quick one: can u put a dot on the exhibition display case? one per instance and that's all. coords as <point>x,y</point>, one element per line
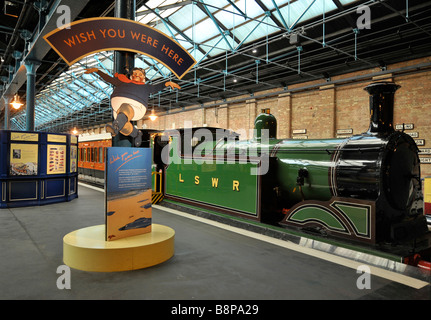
<point>37,168</point>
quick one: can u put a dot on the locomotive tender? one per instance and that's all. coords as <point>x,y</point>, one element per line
<point>365,188</point>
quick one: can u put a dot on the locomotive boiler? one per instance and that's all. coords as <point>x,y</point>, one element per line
<point>364,188</point>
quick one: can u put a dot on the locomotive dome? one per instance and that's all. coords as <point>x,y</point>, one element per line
<point>265,121</point>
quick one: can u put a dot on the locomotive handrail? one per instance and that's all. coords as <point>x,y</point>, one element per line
<point>327,150</point>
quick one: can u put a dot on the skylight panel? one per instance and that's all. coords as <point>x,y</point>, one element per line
<point>197,54</point>
<point>231,17</point>
<point>317,9</point>
<point>146,19</point>
<point>158,3</point>
<point>300,9</point>
<point>218,45</point>
<point>252,30</point>
<point>227,19</point>
<point>344,2</point>
<point>196,33</point>
<point>168,12</point>
<point>185,43</point>
<point>187,16</point>
<point>214,5</point>
<point>269,4</point>
<point>250,8</point>
<point>139,63</point>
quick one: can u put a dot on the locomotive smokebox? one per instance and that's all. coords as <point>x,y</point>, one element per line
<point>381,107</point>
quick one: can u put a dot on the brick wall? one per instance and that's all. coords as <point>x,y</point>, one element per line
<point>321,111</point>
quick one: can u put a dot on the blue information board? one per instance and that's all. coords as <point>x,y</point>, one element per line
<point>127,192</point>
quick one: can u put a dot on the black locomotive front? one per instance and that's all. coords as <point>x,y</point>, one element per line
<point>383,165</point>
<point>380,166</point>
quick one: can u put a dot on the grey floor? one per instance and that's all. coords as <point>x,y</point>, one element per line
<point>209,263</point>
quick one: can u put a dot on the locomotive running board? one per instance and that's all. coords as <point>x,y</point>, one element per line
<point>341,217</point>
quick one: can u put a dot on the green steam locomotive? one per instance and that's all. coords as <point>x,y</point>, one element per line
<point>365,188</point>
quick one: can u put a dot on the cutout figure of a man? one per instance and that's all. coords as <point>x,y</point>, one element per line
<point>129,100</point>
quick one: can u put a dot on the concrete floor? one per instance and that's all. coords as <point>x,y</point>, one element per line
<point>210,263</point>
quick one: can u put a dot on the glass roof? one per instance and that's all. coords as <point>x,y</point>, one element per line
<point>228,24</point>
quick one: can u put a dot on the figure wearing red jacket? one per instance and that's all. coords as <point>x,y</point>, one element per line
<point>129,100</point>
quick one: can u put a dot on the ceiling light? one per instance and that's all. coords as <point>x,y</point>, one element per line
<point>16,104</point>
<point>153,115</point>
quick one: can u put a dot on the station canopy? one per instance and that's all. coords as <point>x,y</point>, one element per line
<point>241,47</point>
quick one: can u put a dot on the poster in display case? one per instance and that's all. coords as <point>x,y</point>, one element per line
<point>73,158</point>
<point>23,159</point>
<point>56,159</point>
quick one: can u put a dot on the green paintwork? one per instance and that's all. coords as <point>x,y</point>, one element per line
<point>317,214</point>
<point>292,155</point>
<point>313,155</point>
<point>265,121</point>
<point>225,184</point>
<point>358,216</point>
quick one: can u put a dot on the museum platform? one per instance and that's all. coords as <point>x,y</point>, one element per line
<point>212,261</point>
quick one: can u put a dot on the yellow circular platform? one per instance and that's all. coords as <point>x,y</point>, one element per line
<point>86,249</point>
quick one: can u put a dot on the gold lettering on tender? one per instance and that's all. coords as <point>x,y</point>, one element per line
<point>180,178</point>
<point>196,179</point>
<point>214,182</point>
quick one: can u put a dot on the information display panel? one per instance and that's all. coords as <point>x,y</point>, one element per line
<point>127,192</point>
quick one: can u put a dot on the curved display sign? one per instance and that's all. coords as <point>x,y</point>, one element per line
<point>104,34</point>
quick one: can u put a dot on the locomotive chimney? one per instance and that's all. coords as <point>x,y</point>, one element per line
<point>381,106</point>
